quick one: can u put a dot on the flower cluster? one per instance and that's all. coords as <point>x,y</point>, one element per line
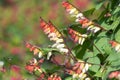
<point>114,74</point>
<point>35,49</point>
<point>76,36</point>
<point>115,45</point>
<point>80,18</point>
<point>79,70</point>
<point>54,35</point>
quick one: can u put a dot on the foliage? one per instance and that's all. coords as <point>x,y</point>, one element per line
<point>95,54</point>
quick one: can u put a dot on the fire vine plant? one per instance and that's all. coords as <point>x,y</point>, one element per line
<point>95,57</point>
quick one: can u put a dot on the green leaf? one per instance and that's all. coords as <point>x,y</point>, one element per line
<point>89,12</point>
<point>95,61</point>
<point>115,63</point>
<point>117,36</point>
<point>114,4</point>
<point>115,23</point>
<point>107,49</point>
<point>94,68</point>
<point>80,52</point>
<point>51,68</point>
<point>100,73</point>
<point>88,55</point>
<point>113,57</point>
<point>114,60</point>
<point>117,10</point>
<point>101,41</point>
<point>105,25</point>
<point>99,5</point>
<point>105,75</point>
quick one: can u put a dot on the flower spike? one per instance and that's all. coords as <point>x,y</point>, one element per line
<point>76,36</point>
<point>80,18</point>
<point>78,70</point>
<point>54,35</point>
<point>35,49</point>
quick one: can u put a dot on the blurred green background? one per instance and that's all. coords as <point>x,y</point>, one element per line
<point>19,22</point>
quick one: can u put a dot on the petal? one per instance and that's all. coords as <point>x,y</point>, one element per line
<point>77,20</point>
<point>90,27</point>
<point>96,29</point>
<point>117,48</point>
<point>54,39</point>
<point>59,40</point>
<point>79,15</point>
<point>84,35</point>
<point>87,79</point>
<point>72,11</point>
<point>35,61</point>
<point>49,55</point>
<point>52,35</point>
<point>40,54</point>
<point>81,65</point>
<point>60,46</point>
<point>47,30</point>
<point>85,68</point>
<point>80,76</point>
<point>64,50</point>
<point>83,76</point>
<point>36,51</point>
<point>82,40</point>
<point>1,63</point>
<point>75,76</point>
